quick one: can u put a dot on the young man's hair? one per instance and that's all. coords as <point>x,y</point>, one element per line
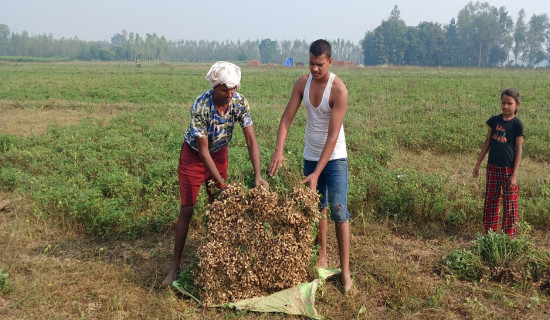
<point>319,47</point>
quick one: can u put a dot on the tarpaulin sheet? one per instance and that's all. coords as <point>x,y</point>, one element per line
<point>298,300</point>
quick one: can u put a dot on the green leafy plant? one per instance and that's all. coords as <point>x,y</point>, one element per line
<point>186,280</point>
<point>4,285</point>
<point>501,258</point>
<point>464,264</point>
<point>500,250</point>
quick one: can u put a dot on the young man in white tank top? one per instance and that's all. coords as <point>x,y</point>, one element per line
<point>325,157</point>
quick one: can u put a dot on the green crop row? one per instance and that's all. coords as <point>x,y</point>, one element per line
<point>120,178</point>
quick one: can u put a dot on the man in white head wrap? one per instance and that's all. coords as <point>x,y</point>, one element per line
<point>204,154</point>
<point>223,72</point>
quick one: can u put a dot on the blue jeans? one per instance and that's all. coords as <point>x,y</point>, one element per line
<point>333,182</point>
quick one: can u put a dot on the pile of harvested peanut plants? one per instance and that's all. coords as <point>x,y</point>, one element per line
<point>257,243</point>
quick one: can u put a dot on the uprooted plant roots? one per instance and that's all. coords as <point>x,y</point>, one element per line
<point>257,243</point>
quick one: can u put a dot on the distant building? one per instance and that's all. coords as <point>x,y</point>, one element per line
<point>289,62</point>
<point>341,63</point>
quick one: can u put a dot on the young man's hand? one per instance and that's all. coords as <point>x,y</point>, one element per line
<point>312,181</point>
<point>277,160</point>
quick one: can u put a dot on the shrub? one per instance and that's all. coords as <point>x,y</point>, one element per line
<point>499,257</point>
<point>9,178</point>
<point>464,264</point>
<point>6,142</point>
<point>499,250</point>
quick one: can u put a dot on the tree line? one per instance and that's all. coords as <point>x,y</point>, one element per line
<point>481,36</point>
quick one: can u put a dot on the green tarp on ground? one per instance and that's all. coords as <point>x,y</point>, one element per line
<point>298,300</point>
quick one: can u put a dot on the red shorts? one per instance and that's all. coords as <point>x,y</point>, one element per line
<point>192,172</point>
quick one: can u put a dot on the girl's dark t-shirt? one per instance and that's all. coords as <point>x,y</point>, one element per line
<point>502,148</point>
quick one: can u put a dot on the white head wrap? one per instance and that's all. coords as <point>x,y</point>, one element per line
<point>223,72</point>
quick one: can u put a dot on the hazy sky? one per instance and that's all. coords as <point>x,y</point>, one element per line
<point>231,20</point>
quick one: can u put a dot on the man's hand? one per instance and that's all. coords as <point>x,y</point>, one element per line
<point>277,160</point>
<point>312,180</point>
<point>260,181</point>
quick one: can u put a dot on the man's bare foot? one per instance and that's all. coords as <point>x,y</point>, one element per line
<point>171,276</point>
<point>347,284</point>
<point>322,263</point>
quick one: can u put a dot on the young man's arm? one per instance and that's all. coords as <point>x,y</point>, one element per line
<point>254,154</point>
<point>339,95</point>
<point>292,107</point>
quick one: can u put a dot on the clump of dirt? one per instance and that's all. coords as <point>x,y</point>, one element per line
<point>257,243</point>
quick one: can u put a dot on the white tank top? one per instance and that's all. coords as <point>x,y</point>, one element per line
<point>317,126</point>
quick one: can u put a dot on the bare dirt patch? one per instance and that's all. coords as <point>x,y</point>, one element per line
<point>34,118</point>
<point>28,122</point>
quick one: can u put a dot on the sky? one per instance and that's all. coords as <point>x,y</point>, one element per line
<point>98,20</point>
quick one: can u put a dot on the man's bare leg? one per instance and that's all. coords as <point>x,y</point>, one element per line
<point>322,260</point>
<point>182,228</point>
<point>343,237</point>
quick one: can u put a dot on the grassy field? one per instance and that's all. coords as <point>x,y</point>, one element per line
<point>89,196</point>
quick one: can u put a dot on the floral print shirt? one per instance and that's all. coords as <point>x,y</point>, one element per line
<point>207,122</point>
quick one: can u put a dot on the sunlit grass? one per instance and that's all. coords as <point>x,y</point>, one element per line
<point>104,170</point>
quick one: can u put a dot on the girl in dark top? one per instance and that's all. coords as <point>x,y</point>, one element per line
<point>504,142</point>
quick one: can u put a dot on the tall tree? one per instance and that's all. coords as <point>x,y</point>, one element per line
<point>480,33</point>
<point>4,39</point>
<point>269,51</point>
<point>452,56</point>
<point>504,41</point>
<point>388,42</point>
<point>150,46</point>
<point>300,51</point>
<point>537,35</point>
<point>374,50</point>
<point>416,50</point>
<point>432,36</point>
<point>395,31</point>
<point>520,37</point>
<point>138,47</point>
<point>162,48</point>
<point>286,49</point>
<point>119,44</point>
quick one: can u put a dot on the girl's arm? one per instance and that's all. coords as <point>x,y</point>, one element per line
<point>483,152</point>
<point>513,182</point>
